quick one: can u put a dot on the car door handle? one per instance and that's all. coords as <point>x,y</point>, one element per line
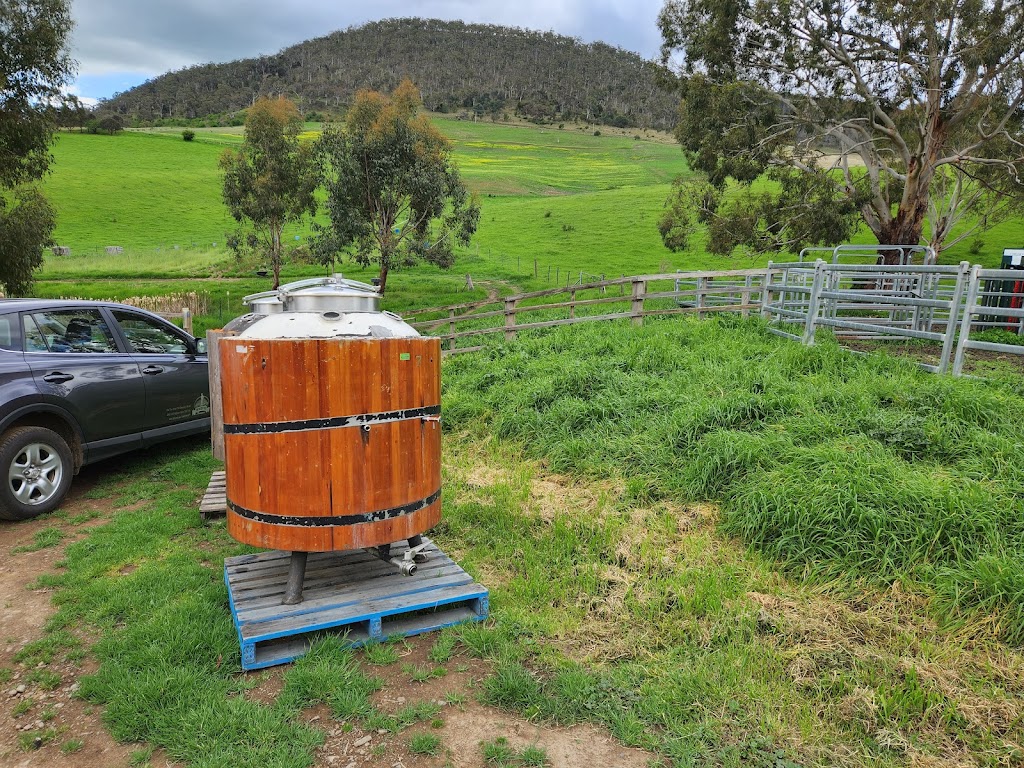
<point>152,370</point>
<point>57,377</point>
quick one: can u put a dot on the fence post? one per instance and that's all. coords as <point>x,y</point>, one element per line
<point>186,320</point>
<point>766,292</point>
<point>451,329</point>
<point>702,285</point>
<point>216,401</point>
<point>954,317</point>
<point>815,300</point>
<point>748,281</point>
<point>572,304</point>
<point>510,319</point>
<point>637,306</point>
<point>965,325</point>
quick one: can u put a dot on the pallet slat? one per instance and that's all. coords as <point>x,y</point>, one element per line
<point>353,594</point>
<point>214,502</point>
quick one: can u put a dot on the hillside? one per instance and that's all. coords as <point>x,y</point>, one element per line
<point>482,69</point>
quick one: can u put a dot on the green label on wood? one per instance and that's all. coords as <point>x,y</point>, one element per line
<point>404,356</point>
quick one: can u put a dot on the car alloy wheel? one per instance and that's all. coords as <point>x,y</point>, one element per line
<point>36,465</point>
<point>35,474</point>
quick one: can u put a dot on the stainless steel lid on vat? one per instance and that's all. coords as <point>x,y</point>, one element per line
<point>318,294</point>
<point>319,308</point>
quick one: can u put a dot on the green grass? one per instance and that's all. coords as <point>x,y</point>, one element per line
<point>425,744</point>
<point>380,654</point>
<point>832,464</point>
<point>501,754</point>
<point>42,539</point>
<point>571,201</point>
<point>71,746</point>
<point>505,160</point>
<point>136,191</point>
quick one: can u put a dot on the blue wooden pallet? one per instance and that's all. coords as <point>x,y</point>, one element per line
<point>353,594</point>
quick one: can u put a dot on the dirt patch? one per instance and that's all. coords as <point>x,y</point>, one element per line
<point>461,725</point>
<point>976,361</point>
<point>39,712</point>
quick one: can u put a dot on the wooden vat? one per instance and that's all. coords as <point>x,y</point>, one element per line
<point>331,444</point>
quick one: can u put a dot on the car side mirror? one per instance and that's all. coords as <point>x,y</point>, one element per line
<point>200,346</point>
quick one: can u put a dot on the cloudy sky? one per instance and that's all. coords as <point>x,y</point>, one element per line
<point>121,43</point>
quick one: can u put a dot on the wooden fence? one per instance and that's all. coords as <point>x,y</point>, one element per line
<point>632,298</point>
<point>185,316</point>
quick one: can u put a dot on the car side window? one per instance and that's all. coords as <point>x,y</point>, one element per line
<point>32,337</point>
<point>149,337</point>
<point>68,330</point>
<point>9,333</point>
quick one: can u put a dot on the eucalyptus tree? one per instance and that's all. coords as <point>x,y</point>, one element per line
<point>270,181</point>
<point>893,114</point>
<point>394,193</point>
<point>35,67</point>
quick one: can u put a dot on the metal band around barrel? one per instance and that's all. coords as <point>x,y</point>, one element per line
<point>335,422</point>
<point>320,522</point>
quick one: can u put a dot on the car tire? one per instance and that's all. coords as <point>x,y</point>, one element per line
<point>35,472</point>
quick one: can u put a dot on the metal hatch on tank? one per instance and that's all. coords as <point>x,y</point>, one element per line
<point>331,425</point>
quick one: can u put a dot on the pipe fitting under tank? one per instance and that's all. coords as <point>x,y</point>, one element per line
<point>406,564</point>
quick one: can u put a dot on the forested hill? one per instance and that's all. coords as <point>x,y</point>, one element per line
<point>484,69</point>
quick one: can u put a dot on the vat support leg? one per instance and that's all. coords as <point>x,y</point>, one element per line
<point>296,575</point>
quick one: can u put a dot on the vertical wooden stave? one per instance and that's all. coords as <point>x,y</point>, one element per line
<point>396,473</point>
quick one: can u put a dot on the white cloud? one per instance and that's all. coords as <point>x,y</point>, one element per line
<point>151,37</point>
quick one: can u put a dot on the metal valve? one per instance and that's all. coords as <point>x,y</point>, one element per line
<point>406,564</point>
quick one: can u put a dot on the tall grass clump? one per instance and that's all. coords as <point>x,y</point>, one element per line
<point>834,465</point>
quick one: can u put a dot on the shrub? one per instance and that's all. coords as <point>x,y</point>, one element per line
<point>188,134</point>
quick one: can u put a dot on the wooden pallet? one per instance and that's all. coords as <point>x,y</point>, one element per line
<point>215,500</point>
<point>353,594</point>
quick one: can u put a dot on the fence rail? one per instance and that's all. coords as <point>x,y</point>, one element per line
<point>185,316</point>
<point>934,303</point>
<point>869,301</point>
<point>995,301</point>
<point>624,298</point>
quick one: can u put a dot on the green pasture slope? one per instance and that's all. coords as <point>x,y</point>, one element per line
<point>565,198</point>
<point>138,191</point>
<point>558,201</point>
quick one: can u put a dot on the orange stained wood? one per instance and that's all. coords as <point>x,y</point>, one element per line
<point>321,472</point>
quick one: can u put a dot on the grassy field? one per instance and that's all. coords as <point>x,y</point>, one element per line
<point>719,546</point>
<point>137,191</point>
<point>561,201</point>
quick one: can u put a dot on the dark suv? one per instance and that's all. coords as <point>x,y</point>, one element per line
<point>83,380</point>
